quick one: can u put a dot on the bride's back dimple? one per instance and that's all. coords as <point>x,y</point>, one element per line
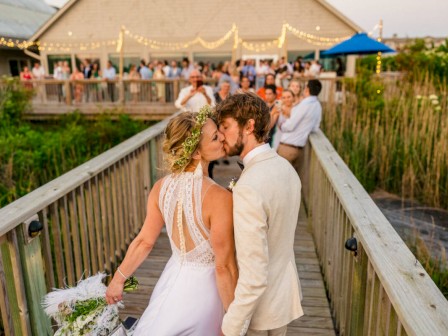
<point>190,189</point>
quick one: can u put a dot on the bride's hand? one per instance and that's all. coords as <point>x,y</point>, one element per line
<point>114,292</point>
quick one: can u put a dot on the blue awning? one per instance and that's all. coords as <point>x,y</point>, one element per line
<point>358,44</point>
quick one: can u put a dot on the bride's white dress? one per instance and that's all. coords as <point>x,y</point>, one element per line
<point>185,300</point>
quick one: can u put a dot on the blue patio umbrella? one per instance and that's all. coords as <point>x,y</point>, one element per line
<point>358,44</point>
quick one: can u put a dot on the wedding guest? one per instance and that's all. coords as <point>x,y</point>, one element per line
<point>305,118</point>
<point>175,71</point>
<point>26,76</point>
<point>196,95</point>
<point>269,80</point>
<point>110,74</point>
<point>134,87</point>
<point>160,86</point>
<point>281,114</point>
<point>145,72</point>
<point>187,68</point>
<point>224,91</point>
<point>77,77</point>
<point>296,88</point>
<point>245,85</point>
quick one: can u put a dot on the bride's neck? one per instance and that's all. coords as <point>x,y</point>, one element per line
<point>192,166</point>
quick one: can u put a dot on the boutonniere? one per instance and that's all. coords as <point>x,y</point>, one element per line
<point>232,183</point>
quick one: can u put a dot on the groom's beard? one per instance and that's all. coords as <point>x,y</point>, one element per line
<point>237,149</point>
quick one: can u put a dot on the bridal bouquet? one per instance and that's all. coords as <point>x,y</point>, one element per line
<point>83,310</point>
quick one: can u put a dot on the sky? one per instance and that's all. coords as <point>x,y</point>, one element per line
<point>406,18</point>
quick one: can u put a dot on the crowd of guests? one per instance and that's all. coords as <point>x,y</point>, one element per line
<point>295,109</point>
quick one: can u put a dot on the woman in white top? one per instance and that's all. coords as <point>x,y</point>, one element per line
<point>287,103</point>
<point>199,280</point>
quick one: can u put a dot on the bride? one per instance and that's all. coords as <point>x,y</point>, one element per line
<point>198,282</point>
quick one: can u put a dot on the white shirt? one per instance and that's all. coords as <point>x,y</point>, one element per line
<point>58,73</point>
<point>109,73</point>
<point>195,103</point>
<point>38,73</point>
<point>305,118</point>
<point>254,152</point>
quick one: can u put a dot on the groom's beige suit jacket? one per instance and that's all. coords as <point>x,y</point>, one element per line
<point>266,202</point>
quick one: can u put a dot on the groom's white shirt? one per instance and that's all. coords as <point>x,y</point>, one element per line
<point>266,202</point>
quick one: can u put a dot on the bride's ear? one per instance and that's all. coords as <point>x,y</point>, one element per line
<point>196,155</point>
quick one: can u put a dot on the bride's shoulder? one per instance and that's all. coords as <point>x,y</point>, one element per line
<point>214,193</point>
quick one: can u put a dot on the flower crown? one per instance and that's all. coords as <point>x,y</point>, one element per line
<point>191,143</point>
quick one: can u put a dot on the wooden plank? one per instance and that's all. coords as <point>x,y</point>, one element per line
<point>58,248</point>
<point>34,283</point>
<point>83,230</point>
<point>16,277</point>
<point>7,301</point>
<point>74,228</point>
<point>68,249</point>
<point>96,202</point>
<point>104,234</point>
<point>110,220</point>
<point>46,249</point>
<point>117,222</point>
<point>91,226</point>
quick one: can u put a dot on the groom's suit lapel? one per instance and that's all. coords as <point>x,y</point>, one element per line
<point>260,157</point>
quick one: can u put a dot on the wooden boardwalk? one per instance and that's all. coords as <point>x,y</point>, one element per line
<point>317,319</point>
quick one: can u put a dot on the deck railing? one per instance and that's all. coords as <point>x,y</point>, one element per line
<point>88,216</point>
<point>134,91</point>
<point>383,289</point>
<point>101,91</point>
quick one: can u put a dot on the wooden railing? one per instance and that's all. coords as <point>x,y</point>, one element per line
<point>88,217</point>
<point>101,91</point>
<point>131,91</point>
<point>383,289</point>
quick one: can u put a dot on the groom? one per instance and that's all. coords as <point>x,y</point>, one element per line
<point>266,207</point>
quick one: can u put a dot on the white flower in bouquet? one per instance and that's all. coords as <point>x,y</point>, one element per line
<point>83,310</point>
<point>433,97</point>
<point>435,102</point>
<point>418,97</point>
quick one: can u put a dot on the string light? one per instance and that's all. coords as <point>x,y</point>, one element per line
<point>155,44</point>
<point>314,39</point>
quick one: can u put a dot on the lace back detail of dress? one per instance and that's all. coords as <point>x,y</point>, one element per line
<point>181,205</point>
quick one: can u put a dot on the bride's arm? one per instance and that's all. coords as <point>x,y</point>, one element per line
<point>223,243</point>
<point>140,247</point>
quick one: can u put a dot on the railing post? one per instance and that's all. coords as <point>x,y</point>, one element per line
<point>121,91</point>
<point>34,280</point>
<point>175,89</point>
<point>153,158</point>
<point>358,294</point>
<point>68,92</point>
<point>13,288</point>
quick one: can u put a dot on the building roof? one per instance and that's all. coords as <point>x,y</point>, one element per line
<point>69,3</point>
<point>20,19</point>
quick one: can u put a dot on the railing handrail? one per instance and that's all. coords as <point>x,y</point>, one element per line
<point>414,295</point>
<point>22,209</point>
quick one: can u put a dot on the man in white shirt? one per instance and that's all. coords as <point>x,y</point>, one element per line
<point>110,75</point>
<point>196,95</point>
<point>305,118</point>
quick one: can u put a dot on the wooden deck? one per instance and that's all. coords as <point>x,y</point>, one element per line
<point>317,319</point>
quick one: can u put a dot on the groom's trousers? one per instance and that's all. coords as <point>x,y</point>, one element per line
<point>274,332</point>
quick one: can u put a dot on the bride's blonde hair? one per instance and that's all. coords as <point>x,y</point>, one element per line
<point>177,131</point>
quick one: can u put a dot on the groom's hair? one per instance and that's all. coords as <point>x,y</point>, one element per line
<point>243,107</point>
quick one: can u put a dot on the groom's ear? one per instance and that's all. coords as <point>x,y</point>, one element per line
<point>250,126</point>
